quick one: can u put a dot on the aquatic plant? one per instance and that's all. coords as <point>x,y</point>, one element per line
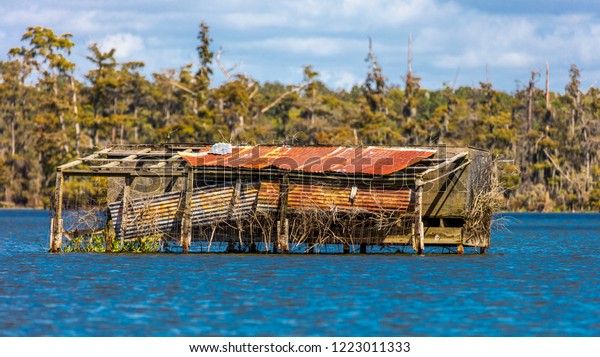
<point>97,244</point>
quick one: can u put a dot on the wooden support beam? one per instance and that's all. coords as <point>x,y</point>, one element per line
<point>129,158</point>
<point>108,236</point>
<point>447,162</point>
<point>124,172</point>
<point>419,231</point>
<point>175,158</point>
<point>346,248</point>
<point>459,167</point>
<point>124,208</point>
<point>84,159</point>
<point>230,247</point>
<point>56,232</point>
<point>234,199</point>
<point>186,224</point>
<point>363,248</point>
<point>282,229</point>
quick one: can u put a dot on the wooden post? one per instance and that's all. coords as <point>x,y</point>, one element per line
<point>363,248</point>
<point>124,207</point>
<point>230,247</point>
<point>460,249</point>
<point>57,222</point>
<point>346,248</point>
<point>419,231</point>
<point>282,231</point>
<point>231,211</point>
<point>186,224</point>
<point>273,243</point>
<point>107,236</point>
<point>237,189</point>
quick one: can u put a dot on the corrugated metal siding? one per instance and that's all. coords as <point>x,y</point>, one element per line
<point>368,160</point>
<point>328,197</point>
<point>157,214</point>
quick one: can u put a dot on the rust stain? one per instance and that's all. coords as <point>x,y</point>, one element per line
<point>330,197</point>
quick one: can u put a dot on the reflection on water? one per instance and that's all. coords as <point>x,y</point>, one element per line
<point>540,279</point>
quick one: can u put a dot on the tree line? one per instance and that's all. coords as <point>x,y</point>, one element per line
<point>547,143</point>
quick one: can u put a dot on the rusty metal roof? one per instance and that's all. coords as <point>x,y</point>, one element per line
<point>368,160</point>
<point>330,197</point>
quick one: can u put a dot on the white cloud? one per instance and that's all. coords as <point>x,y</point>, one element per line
<point>273,35</point>
<point>345,80</point>
<point>252,20</point>
<point>125,44</point>
<point>343,16</point>
<point>315,46</point>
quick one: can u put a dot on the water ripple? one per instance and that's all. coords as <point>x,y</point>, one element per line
<point>540,279</point>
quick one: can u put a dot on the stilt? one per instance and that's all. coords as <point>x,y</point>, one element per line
<point>186,224</point>
<point>253,248</point>
<point>231,211</point>
<point>419,231</point>
<point>57,222</point>
<point>108,237</point>
<point>230,247</point>
<point>124,207</point>
<point>346,248</point>
<point>363,248</point>
<point>460,249</point>
<point>283,226</point>
<point>482,250</point>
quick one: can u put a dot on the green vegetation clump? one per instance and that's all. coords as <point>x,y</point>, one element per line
<point>547,143</point>
<point>97,244</point>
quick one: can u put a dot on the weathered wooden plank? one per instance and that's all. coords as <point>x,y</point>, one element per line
<point>363,248</point>
<point>444,164</point>
<point>108,236</point>
<point>57,222</point>
<point>91,157</point>
<point>419,233</point>
<point>125,207</point>
<point>282,234</point>
<point>186,226</point>
<point>124,173</point>
<point>432,236</point>
<point>129,158</point>
<point>235,196</point>
<point>446,197</point>
<point>174,158</point>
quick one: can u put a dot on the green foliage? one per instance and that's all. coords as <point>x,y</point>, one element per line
<point>97,244</point>
<point>48,117</point>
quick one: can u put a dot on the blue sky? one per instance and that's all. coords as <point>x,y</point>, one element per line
<point>453,41</point>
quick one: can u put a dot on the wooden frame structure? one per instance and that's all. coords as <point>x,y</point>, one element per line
<point>441,188</point>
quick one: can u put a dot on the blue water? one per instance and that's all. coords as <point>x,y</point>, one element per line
<point>540,278</point>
